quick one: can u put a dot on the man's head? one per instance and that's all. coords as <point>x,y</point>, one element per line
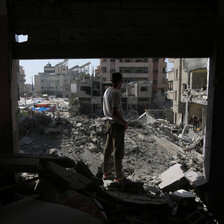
<point>117,79</point>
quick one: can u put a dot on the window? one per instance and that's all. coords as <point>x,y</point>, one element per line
<point>144,89</point>
<point>176,73</point>
<point>128,60</point>
<point>175,96</point>
<point>155,71</point>
<point>86,89</point>
<point>170,85</point>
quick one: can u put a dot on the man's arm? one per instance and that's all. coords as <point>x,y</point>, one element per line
<point>119,118</point>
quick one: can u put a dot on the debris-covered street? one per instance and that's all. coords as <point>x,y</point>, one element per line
<point>164,171</point>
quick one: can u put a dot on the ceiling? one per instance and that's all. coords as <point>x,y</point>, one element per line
<point>116,28</point>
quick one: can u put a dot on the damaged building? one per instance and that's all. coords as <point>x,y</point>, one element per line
<point>56,80</point>
<point>64,189</point>
<point>187,89</point>
<point>139,69</point>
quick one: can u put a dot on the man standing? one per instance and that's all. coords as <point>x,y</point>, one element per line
<point>116,126</point>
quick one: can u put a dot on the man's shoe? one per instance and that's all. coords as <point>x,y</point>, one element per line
<point>119,180</point>
<point>108,176</point>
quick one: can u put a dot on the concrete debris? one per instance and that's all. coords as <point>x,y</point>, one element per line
<point>150,147</point>
<point>173,178</point>
<point>122,203</point>
<point>155,164</point>
<point>195,178</point>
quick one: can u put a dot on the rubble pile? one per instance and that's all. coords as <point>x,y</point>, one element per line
<point>199,95</point>
<point>68,186</point>
<point>150,148</point>
<point>164,172</point>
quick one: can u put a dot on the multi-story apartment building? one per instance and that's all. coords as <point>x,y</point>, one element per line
<point>21,81</point>
<point>187,89</point>
<point>139,69</point>
<point>55,80</point>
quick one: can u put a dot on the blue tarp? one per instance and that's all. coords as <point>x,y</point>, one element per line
<point>40,108</point>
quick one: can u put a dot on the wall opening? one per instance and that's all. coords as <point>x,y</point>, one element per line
<point>67,93</point>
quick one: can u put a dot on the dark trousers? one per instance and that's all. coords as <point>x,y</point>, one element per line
<point>114,144</point>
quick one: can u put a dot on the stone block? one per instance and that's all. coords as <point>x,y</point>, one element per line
<point>173,178</point>
<point>94,164</point>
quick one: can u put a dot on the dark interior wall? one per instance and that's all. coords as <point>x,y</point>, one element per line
<point>5,90</point>
<point>214,140</point>
<point>94,29</point>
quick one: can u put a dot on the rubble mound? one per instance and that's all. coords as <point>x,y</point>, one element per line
<point>158,169</point>
<point>150,147</point>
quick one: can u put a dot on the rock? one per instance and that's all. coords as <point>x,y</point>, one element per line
<point>94,164</point>
<point>26,140</point>
<point>93,147</point>
<point>66,132</point>
<point>50,151</point>
<point>195,178</point>
<point>78,125</point>
<point>94,140</point>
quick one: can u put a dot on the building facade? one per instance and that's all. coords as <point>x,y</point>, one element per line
<point>139,69</point>
<point>187,89</point>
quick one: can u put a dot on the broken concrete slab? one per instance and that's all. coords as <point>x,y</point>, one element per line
<point>72,180</point>
<point>195,178</point>
<point>173,178</point>
<point>94,164</point>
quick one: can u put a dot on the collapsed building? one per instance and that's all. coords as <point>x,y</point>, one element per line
<point>188,88</point>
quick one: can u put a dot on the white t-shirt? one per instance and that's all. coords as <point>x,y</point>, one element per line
<point>111,98</point>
